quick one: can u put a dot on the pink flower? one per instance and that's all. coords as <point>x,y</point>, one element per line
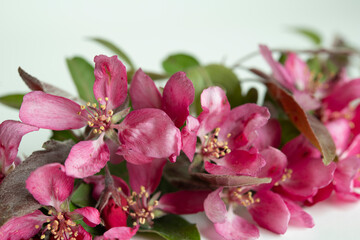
<point>143,135</point>
<point>227,136</point>
<point>177,96</point>
<point>51,187</point>
<point>11,133</point>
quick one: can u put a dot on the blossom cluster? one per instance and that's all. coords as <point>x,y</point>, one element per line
<point>242,174</point>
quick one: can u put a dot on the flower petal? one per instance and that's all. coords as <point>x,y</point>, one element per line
<point>11,133</point>
<point>345,173</point>
<point>189,136</point>
<point>178,94</point>
<point>306,100</point>
<point>340,132</point>
<point>146,175</point>
<point>215,109</point>
<point>51,112</point>
<point>87,158</point>
<point>298,217</point>
<point>271,212</point>
<point>113,214</point>
<point>183,202</point>
<point>298,71</point>
<point>143,92</point>
<point>269,135</point>
<point>50,185</point>
<point>123,233</point>
<point>110,81</point>
<point>215,208</point>
<point>236,228</point>
<point>91,215</point>
<point>23,227</point>
<point>151,133</point>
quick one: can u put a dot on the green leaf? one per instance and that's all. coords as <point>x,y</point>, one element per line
<point>288,131</point>
<point>82,74</point>
<point>82,196</point>
<point>173,227</point>
<point>12,100</point>
<point>122,55</point>
<point>64,135</point>
<point>310,34</point>
<point>118,170</point>
<point>179,62</point>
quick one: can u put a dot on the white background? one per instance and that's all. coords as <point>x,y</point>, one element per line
<point>39,35</point>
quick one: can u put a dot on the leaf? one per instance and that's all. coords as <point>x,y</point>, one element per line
<point>118,170</point>
<point>250,97</point>
<point>37,85</point>
<point>122,55</point>
<point>12,100</point>
<point>82,196</point>
<point>310,34</point>
<point>15,200</point>
<point>173,227</point>
<point>288,131</point>
<point>64,135</point>
<point>307,124</point>
<point>179,62</point>
<point>82,74</point>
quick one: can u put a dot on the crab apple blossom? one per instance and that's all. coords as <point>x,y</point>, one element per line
<point>11,133</point>
<point>51,187</point>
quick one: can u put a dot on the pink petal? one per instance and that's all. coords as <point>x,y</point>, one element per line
<point>298,71</point>
<point>91,215</point>
<point>113,147</point>
<point>23,227</point>
<point>353,149</point>
<point>178,94</point>
<point>298,217</point>
<point>236,228</point>
<point>269,135</point>
<point>49,185</point>
<point>51,112</point>
<point>271,212</point>
<point>215,208</point>
<point>215,109</point>
<point>110,81</point>
<point>147,175</point>
<point>321,195</point>
<point>83,234</point>
<point>150,133</point>
<point>345,173</point>
<point>189,136</point>
<point>143,92</point>
<point>340,132</point>
<point>11,133</point>
<point>280,73</point>
<point>87,158</point>
<point>183,202</point>
<point>113,215</point>
<point>123,233</point>
<point>306,100</point>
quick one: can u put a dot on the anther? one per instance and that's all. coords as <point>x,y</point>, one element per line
<point>82,107</point>
<point>99,99</point>
<point>37,226</point>
<point>42,236</point>
<point>94,105</point>
<point>106,99</point>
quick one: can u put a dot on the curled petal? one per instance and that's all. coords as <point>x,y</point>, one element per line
<point>215,208</point>
<point>23,227</point>
<point>143,92</point>
<point>150,133</point>
<point>298,217</point>
<point>50,185</point>
<point>236,228</point>
<point>87,158</point>
<point>215,109</point>
<point>11,133</point>
<point>299,72</point>
<point>113,214</point>
<point>270,212</point>
<point>183,202</point>
<point>110,81</point>
<point>123,233</point>
<point>189,136</point>
<point>178,94</point>
<point>146,175</point>
<point>51,112</point>
<point>91,215</point>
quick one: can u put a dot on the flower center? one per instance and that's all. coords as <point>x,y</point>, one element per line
<point>98,117</point>
<point>244,199</point>
<point>61,227</point>
<point>213,148</point>
<point>140,207</point>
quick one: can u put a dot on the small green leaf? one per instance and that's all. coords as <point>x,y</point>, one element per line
<point>312,35</point>
<point>122,55</point>
<point>12,100</point>
<point>82,196</point>
<point>64,135</point>
<point>288,131</point>
<point>173,227</point>
<point>179,62</point>
<point>82,74</point>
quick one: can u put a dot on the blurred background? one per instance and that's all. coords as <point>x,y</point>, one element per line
<point>40,35</point>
